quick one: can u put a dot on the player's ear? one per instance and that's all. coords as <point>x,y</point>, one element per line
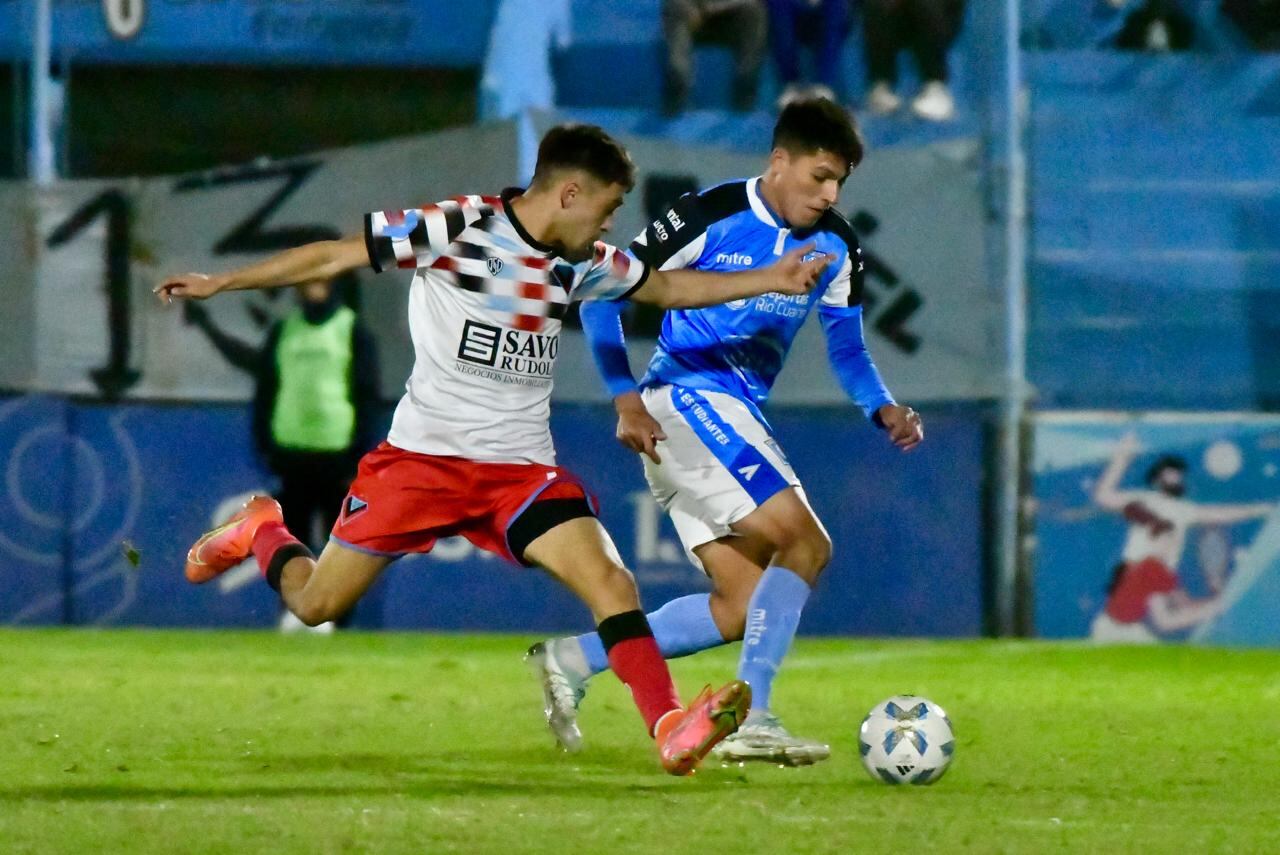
<point>569,193</point>
<point>779,158</point>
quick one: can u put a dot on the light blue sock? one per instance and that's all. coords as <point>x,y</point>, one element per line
<point>772,617</point>
<point>681,627</point>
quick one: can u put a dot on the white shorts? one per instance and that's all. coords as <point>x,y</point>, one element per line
<point>1107,630</point>
<point>719,462</point>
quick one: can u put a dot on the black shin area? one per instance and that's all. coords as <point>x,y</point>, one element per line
<point>283,556</point>
<point>623,627</point>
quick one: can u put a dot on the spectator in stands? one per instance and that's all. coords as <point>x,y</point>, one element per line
<point>314,405</point>
<point>1155,25</point>
<point>518,65</point>
<point>927,28</point>
<point>823,25</point>
<point>738,23</point>
<point>1258,19</point>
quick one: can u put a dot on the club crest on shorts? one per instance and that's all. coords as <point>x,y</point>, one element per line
<point>494,265</point>
<point>353,506</point>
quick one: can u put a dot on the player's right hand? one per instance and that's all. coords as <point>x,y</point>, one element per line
<point>638,430</point>
<point>1129,446</point>
<point>188,286</point>
<point>796,275</point>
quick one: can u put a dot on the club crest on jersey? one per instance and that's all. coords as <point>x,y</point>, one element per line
<point>494,265</point>
<point>813,256</point>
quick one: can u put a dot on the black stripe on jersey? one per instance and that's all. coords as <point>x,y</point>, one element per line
<point>454,219</point>
<point>686,220</point>
<point>468,282</point>
<point>419,240</point>
<point>834,223</point>
<point>381,253</point>
<point>467,249</point>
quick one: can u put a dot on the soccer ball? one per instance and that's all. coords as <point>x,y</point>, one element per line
<point>906,740</point>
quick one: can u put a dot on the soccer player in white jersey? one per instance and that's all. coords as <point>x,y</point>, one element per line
<point>710,457</point>
<point>469,452</point>
<point>1145,598</point>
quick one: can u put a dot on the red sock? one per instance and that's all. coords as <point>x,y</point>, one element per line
<point>635,659</point>
<point>273,546</point>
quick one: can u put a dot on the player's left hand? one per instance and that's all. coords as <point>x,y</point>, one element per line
<point>189,286</point>
<point>903,425</point>
<point>793,274</point>
<point>638,430</point>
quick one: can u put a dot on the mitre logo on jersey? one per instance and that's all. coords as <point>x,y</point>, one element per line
<point>516,356</point>
<point>734,258</point>
<point>494,265</point>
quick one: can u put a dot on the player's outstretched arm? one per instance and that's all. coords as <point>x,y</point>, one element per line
<point>692,289</point>
<point>1231,514</point>
<point>322,260</point>
<point>1107,495</point>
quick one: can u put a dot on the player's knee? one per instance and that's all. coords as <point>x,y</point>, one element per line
<point>805,555</point>
<point>316,611</point>
<point>729,610</point>
<point>618,585</point>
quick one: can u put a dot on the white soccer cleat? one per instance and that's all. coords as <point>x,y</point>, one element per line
<point>562,692</point>
<point>934,103</point>
<point>762,737</point>
<point>882,100</point>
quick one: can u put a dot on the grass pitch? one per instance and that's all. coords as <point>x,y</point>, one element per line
<point>128,741</point>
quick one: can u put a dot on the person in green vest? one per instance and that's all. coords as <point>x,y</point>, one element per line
<point>315,403</point>
<point>315,398</point>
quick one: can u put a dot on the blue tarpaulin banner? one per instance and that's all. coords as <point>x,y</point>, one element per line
<point>1162,527</point>
<point>84,485</point>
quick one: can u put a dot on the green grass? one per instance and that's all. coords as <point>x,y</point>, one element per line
<point>121,741</point>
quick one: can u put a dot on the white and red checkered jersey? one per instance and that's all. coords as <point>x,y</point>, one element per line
<point>485,311</point>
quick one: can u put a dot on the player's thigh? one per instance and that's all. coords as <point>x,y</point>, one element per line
<point>580,553</point>
<point>787,522</point>
<point>735,565</point>
<point>341,576</point>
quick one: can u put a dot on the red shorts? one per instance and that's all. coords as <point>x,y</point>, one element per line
<point>402,501</point>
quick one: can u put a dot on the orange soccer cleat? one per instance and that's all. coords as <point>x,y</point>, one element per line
<point>686,736</point>
<point>221,548</point>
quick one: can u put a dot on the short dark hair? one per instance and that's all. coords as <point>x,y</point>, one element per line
<point>1163,462</point>
<point>585,147</point>
<point>810,124</point>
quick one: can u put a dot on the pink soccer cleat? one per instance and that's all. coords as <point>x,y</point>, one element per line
<point>221,548</point>
<point>686,736</point>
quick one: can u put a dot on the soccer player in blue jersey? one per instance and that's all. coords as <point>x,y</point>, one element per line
<point>709,454</point>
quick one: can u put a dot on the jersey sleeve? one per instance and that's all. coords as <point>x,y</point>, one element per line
<point>414,237</point>
<point>677,238</point>
<point>851,361</point>
<point>612,274</point>
<point>602,325</point>
<point>845,290</point>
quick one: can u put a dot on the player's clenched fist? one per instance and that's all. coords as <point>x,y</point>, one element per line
<point>798,271</point>
<point>903,425</point>
<point>189,286</point>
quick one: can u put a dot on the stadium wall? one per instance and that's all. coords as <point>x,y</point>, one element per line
<point>88,487</point>
<point>94,250</point>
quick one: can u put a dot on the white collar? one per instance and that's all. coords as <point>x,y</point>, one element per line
<point>758,207</point>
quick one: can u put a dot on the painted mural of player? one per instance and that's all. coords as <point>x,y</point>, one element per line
<point>1146,599</point>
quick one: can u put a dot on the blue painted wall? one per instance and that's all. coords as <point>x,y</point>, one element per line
<point>82,483</point>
